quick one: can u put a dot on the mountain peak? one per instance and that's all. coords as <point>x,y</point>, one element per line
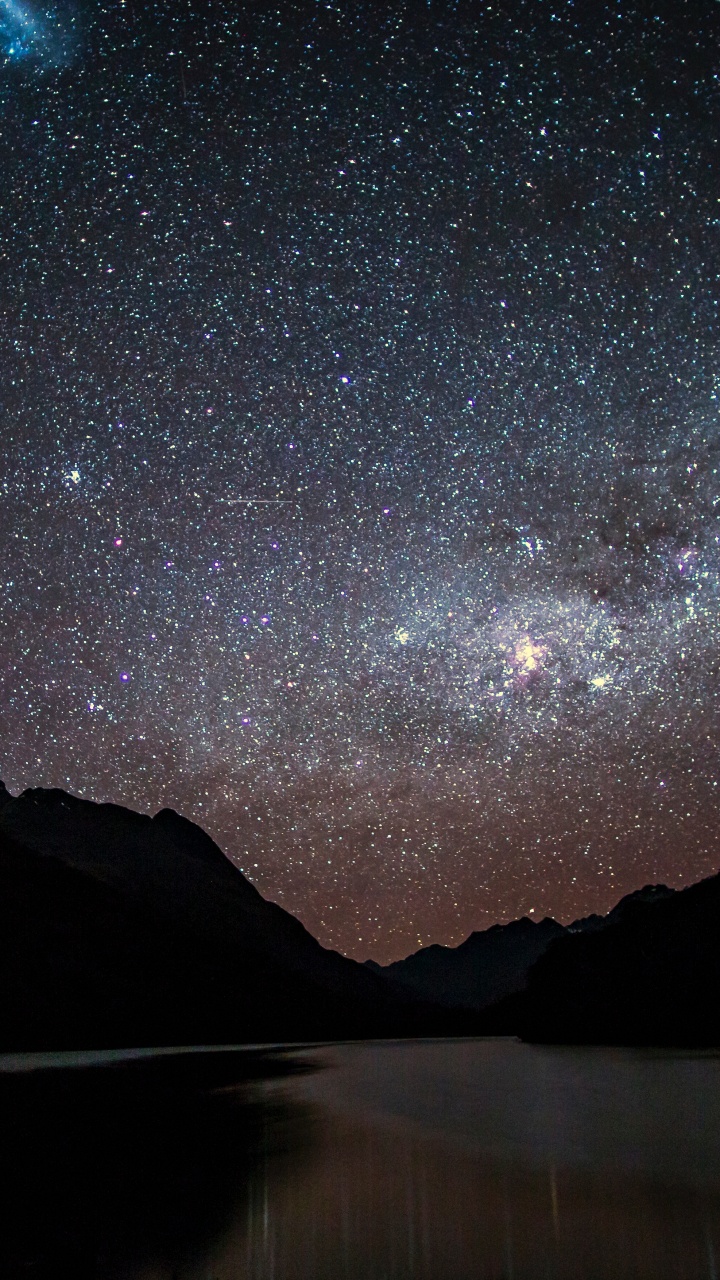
<point>189,837</point>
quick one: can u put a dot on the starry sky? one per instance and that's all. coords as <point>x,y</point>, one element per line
<point>360,484</point>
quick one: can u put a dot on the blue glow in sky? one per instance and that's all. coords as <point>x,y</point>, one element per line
<point>31,33</point>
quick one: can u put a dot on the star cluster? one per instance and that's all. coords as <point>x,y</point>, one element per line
<point>359,390</point>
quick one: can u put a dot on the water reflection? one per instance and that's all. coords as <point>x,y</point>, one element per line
<point>397,1162</point>
<point>133,1171</point>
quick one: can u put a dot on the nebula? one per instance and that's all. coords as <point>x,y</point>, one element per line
<point>34,35</point>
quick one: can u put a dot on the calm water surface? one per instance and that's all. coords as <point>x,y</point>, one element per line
<point>415,1161</point>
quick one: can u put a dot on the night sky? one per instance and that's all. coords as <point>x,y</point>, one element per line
<point>360,422</point>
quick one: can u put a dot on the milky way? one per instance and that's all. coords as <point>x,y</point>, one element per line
<point>361,496</point>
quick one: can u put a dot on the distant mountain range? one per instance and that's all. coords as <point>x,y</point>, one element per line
<point>487,966</point>
<point>648,973</point>
<point>120,929</point>
<point>494,963</point>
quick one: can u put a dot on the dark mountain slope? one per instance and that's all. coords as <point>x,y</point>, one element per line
<point>83,965</point>
<point>649,893</point>
<point>650,975</point>
<point>494,963</point>
<point>487,966</point>
<point>119,929</point>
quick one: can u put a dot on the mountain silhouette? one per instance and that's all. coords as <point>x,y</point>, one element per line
<point>120,929</point>
<point>648,973</point>
<point>490,964</point>
<point>496,963</point>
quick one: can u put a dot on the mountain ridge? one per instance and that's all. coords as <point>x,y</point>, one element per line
<point>189,951</point>
<point>493,963</point>
<point>649,976</point>
<point>120,929</point>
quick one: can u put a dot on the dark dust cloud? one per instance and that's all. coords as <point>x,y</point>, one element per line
<point>359,379</point>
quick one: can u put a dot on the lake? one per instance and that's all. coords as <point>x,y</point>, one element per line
<point>421,1160</point>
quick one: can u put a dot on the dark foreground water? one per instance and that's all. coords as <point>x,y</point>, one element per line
<point>413,1161</point>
